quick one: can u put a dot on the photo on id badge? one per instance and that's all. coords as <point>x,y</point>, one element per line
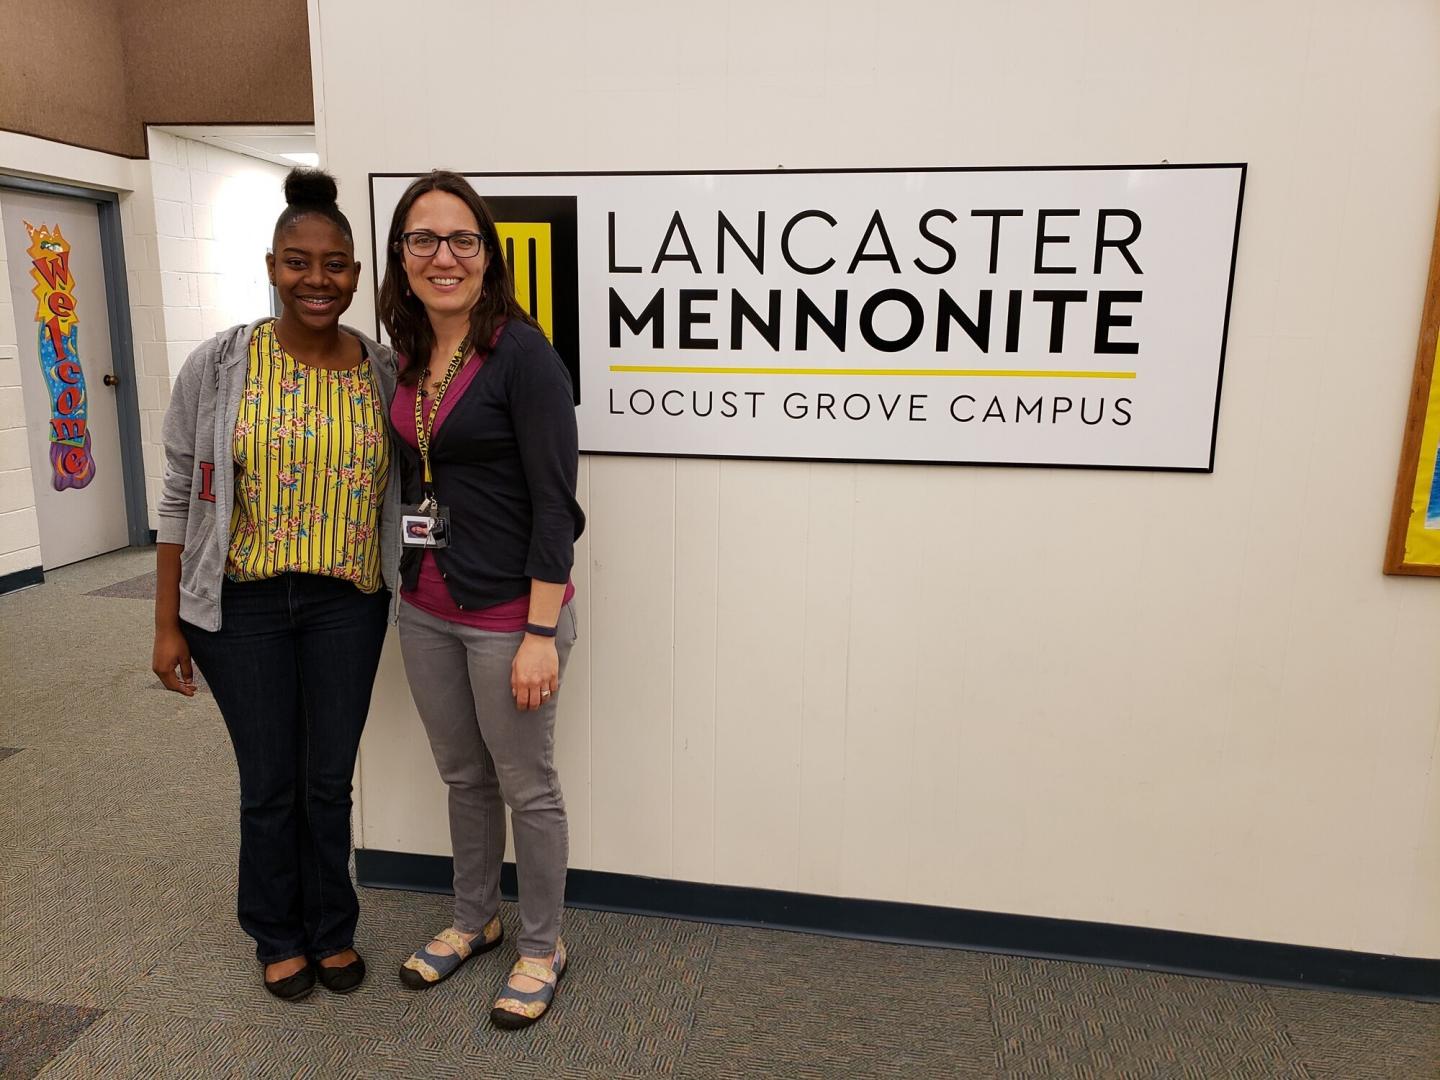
<point>425,530</point>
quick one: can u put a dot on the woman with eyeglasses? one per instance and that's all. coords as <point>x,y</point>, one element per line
<point>487,460</point>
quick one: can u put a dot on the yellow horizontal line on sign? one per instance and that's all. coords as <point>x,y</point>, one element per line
<point>994,373</point>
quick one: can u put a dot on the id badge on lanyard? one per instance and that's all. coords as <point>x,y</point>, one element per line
<point>428,524</point>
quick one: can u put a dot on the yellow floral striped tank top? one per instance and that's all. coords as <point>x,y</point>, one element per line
<point>312,458</point>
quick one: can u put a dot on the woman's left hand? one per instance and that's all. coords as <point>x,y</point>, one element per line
<point>534,673</point>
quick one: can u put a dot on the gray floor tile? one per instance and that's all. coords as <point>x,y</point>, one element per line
<point>82,930</point>
<point>126,1044</point>
<point>1348,1037</point>
<point>33,1032</point>
<point>140,587</point>
<point>793,1005</point>
<point>1056,1019</point>
<point>166,802</point>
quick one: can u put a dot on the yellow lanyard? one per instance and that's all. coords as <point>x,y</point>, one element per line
<point>423,428</point>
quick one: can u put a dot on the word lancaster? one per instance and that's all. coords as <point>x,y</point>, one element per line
<point>823,406</point>
<point>974,254</point>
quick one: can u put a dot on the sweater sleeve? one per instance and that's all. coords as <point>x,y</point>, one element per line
<point>542,412</point>
<point>178,437</point>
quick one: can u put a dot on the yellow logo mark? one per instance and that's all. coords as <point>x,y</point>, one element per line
<point>527,253</point>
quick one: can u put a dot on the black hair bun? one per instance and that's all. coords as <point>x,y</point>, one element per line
<point>310,187</point>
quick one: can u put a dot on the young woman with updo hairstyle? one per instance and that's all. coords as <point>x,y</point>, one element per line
<point>487,454</point>
<point>276,520</point>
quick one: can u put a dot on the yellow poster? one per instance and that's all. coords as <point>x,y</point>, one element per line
<point>1414,544</point>
<point>1422,536</point>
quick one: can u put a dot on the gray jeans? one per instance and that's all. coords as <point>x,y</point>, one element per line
<point>491,755</point>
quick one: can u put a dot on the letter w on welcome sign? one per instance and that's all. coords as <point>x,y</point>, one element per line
<point>1040,316</point>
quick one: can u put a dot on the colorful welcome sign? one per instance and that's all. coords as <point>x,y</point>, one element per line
<point>71,461</point>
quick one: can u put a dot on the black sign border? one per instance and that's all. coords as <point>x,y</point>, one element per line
<point>1164,165</point>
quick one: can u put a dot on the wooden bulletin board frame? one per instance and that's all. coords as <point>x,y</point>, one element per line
<point>1413,548</point>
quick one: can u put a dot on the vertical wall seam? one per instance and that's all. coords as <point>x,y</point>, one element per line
<point>317,83</point>
<point>804,673</point>
<point>674,652</point>
<point>590,681</point>
<point>849,642</point>
<point>715,664</point>
<point>1423,829</point>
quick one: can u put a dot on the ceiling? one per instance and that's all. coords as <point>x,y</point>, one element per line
<point>269,142</point>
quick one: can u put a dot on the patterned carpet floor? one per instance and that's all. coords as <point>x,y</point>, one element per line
<point>119,953</point>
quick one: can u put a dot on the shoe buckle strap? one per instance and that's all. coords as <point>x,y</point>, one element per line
<point>534,970</point>
<point>456,941</point>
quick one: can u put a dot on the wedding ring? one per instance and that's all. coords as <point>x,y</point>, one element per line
<point>544,693</point>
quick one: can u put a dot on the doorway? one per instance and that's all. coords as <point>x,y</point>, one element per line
<point>67,284</point>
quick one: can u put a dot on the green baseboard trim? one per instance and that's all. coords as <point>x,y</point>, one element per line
<point>21,579</point>
<point>1140,947</point>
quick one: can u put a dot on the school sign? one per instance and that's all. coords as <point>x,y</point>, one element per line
<point>1071,316</point>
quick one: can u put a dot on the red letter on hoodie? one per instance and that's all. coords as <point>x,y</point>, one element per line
<point>207,481</point>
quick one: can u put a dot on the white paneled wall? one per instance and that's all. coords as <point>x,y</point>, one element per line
<point>1185,701</point>
<point>19,531</point>
<point>203,228</point>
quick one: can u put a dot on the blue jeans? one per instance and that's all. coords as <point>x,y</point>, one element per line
<point>291,667</point>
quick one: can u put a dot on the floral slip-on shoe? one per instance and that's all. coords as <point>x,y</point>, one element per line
<point>425,968</point>
<point>521,1008</point>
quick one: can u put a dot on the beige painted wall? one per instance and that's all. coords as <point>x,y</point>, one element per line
<point>1167,700</point>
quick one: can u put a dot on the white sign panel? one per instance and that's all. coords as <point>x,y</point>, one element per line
<point>1041,316</point>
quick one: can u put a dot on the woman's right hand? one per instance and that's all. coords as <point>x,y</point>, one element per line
<point>172,654</point>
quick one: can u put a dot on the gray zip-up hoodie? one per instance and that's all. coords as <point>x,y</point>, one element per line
<point>198,495</point>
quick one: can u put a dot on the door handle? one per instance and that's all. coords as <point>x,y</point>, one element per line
<point>112,380</point>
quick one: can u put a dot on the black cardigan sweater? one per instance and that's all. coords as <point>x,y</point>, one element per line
<point>504,464</point>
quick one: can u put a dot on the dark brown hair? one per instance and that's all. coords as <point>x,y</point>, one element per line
<point>402,312</point>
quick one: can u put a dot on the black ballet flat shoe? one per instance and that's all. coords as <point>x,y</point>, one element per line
<point>292,987</point>
<point>342,980</point>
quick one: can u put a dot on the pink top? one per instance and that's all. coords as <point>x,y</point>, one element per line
<point>430,594</point>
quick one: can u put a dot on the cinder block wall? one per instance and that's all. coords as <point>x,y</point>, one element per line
<point>19,529</point>
<point>202,230</point>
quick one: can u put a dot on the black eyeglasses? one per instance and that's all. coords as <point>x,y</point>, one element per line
<point>423,244</point>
